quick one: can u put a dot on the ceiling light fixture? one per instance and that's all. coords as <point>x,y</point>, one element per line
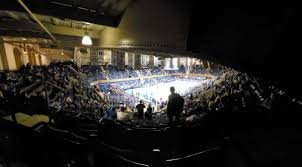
<point>86,40</point>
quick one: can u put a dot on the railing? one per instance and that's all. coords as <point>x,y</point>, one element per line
<point>192,155</point>
<point>130,161</point>
<point>156,161</point>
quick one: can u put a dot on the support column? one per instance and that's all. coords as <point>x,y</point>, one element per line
<point>93,56</point>
<point>178,62</point>
<point>126,58</point>
<point>187,62</point>
<point>175,63</point>
<point>3,57</point>
<point>156,61</point>
<point>131,59</point>
<point>114,58</point>
<point>162,63</point>
<point>121,60</point>
<point>151,61</point>
<point>167,63</point>
<point>137,61</point>
<point>1,64</point>
<point>171,62</point>
<point>100,57</point>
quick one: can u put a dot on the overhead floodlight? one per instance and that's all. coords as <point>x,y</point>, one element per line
<point>86,40</point>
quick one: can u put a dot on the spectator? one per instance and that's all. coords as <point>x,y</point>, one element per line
<point>175,106</point>
<point>149,112</point>
<point>111,113</point>
<point>140,110</point>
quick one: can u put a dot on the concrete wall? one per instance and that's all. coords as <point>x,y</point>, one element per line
<point>8,51</point>
<point>45,60</point>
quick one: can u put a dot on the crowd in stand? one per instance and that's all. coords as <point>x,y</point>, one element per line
<point>133,73</point>
<point>115,91</point>
<point>237,92</point>
<point>66,87</point>
<point>95,73</point>
<point>58,87</point>
<point>198,70</point>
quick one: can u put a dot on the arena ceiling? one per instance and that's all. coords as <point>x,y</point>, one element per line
<point>19,25</point>
<point>141,29</point>
<point>67,20</point>
<point>104,12</point>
